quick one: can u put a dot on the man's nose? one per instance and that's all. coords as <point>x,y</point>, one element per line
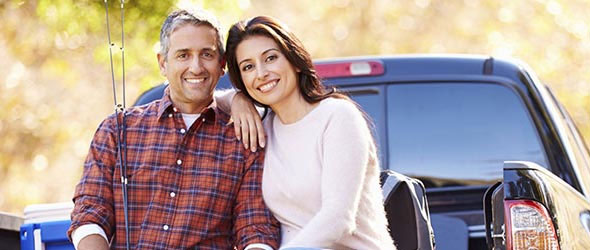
<point>196,65</point>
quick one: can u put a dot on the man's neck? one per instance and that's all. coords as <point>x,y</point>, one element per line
<point>191,107</point>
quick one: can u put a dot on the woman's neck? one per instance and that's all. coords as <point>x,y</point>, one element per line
<point>293,110</point>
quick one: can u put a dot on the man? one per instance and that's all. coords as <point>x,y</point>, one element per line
<point>190,182</point>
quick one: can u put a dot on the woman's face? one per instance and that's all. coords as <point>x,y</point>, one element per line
<point>267,74</point>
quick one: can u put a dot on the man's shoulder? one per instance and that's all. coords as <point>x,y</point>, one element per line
<point>148,109</point>
<point>225,127</point>
<point>134,114</point>
<point>223,120</point>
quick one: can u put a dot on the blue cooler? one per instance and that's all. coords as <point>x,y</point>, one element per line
<point>45,227</point>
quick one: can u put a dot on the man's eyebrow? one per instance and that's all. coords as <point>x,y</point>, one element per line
<point>214,49</point>
<point>181,50</point>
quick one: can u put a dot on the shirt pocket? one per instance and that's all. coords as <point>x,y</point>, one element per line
<point>218,180</point>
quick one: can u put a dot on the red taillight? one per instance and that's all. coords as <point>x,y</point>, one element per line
<point>344,69</point>
<point>528,226</point>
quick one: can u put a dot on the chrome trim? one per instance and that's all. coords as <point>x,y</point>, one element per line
<point>554,112</point>
<point>477,231</point>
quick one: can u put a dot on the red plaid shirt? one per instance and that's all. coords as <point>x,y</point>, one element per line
<point>195,187</point>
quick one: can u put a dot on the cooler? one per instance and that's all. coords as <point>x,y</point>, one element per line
<point>45,227</point>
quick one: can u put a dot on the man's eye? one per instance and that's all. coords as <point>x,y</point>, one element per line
<point>207,55</point>
<point>182,56</point>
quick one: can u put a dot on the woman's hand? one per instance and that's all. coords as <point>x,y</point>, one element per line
<point>247,122</point>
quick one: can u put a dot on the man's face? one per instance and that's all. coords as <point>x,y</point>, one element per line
<point>192,66</point>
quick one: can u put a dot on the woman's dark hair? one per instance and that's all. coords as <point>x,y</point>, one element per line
<point>309,84</point>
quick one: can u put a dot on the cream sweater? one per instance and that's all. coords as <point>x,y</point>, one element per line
<point>321,180</point>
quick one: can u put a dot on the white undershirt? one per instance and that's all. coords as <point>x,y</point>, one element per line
<point>189,119</point>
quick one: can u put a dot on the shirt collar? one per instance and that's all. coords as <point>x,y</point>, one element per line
<point>167,107</point>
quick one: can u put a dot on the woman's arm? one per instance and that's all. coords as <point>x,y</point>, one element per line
<point>346,144</point>
<point>247,122</point>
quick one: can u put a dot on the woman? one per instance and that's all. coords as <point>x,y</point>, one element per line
<point>321,171</point>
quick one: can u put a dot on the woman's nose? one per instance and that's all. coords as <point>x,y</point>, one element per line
<point>261,72</point>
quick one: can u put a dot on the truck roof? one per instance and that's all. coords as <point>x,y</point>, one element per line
<point>414,67</point>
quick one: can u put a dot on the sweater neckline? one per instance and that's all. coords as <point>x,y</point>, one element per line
<point>303,119</point>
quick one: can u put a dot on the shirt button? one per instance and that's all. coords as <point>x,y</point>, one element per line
<point>165,227</point>
<point>182,131</point>
<point>178,162</point>
<point>172,194</point>
<point>175,109</point>
<point>203,119</point>
<point>170,115</point>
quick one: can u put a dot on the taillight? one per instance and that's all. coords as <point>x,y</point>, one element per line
<point>528,226</point>
<point>347,69</point>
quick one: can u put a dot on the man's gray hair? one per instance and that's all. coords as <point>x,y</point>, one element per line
<point>179,18</point>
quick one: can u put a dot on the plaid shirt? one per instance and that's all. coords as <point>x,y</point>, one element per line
<point>195,187</point>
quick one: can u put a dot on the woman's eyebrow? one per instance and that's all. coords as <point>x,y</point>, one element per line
<point>268,50</point>
<point>264,52</point>
<point>245,60</point>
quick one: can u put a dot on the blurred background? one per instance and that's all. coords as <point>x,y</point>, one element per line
<point>55,81</point>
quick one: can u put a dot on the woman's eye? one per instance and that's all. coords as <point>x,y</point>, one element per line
<point>271,58</point>
<point>207,55</point>
<point>247,67</point>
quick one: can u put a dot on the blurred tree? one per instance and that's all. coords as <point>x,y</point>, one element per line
<point>56,83</point>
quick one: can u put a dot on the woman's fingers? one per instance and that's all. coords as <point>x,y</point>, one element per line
<point>253,133</point>
<point>260,129</point>
<point>247,122</point>
<point>237,127</point>
<point>245,133</point>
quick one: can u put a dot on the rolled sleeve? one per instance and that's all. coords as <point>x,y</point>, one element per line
<point>254,223</point>
<point>93,198</point>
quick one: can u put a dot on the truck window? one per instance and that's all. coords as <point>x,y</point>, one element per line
<point>458,134</point>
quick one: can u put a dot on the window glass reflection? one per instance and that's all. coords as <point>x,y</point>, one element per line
<point>456,134</point>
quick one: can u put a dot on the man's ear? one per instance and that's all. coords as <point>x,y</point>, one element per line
<point>162,64</point>
<point>222,65</point>
<point>222,62</point>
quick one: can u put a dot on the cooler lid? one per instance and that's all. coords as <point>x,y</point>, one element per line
<point>48,212</point>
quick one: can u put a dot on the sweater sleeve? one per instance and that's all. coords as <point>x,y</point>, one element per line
<point>346,143</point>
<point>223,98</point>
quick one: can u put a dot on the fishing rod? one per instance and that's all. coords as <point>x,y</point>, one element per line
<point>121,131</point>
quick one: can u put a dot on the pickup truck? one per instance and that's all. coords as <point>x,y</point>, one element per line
<point>502,161</point>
